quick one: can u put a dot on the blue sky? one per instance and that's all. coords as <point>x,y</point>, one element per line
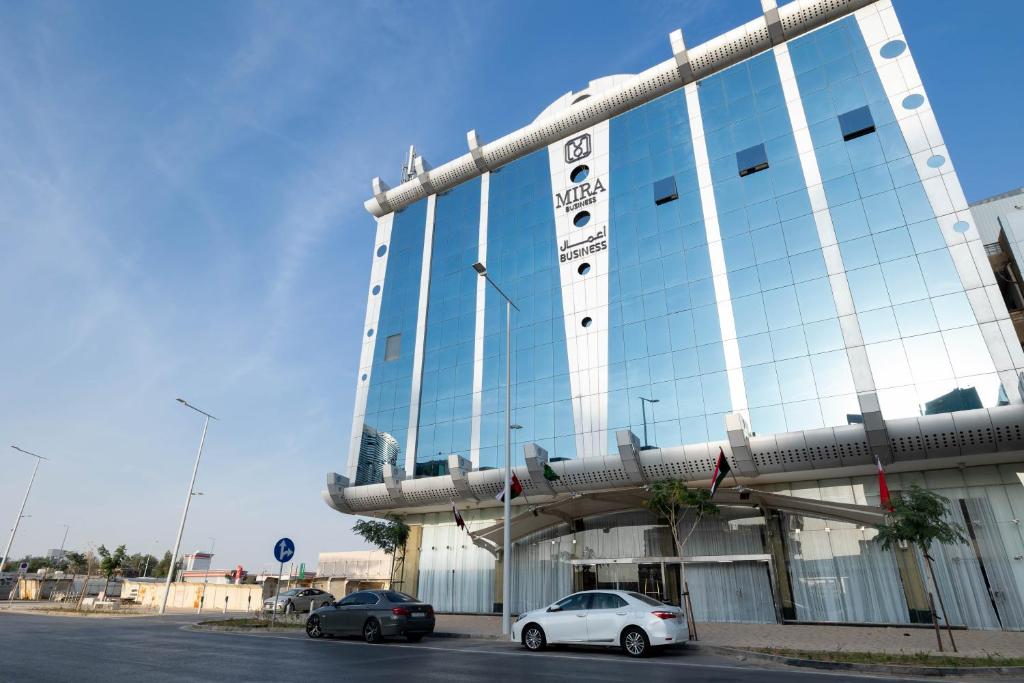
<point>182,216</point>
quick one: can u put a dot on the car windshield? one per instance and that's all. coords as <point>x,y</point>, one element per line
<point>646,600</point>
<point>290,591</point>
<point>395,596</point>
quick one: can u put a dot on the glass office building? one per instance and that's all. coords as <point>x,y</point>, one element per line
<point>761,239</point>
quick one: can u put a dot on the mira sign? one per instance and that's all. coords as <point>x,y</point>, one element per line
<point>578,196</point>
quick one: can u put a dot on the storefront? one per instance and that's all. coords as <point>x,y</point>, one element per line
<point>756,565</point>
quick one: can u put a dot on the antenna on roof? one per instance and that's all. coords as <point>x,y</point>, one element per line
<point>409,169</point>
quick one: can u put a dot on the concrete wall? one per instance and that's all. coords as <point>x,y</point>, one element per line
<point>188,595</point>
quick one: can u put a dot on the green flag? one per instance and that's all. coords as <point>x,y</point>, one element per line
<point>550,474</point>
<point>302,570</point>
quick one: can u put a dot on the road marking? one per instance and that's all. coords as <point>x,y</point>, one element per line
<point>692,665</point>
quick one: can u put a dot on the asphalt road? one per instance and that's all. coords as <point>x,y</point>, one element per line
<point>158,649</point>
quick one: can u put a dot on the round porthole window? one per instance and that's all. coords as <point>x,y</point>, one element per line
<point>913,101</point>
<point>382,249</point>
<point>581,219</point>
<point>369,332</point>
<point>936,161</point>
<point>961,226</point>
<point>894,48</point>
<point>376,290</point>
<point>586,322</point>
<point>364,376</point>
<point>583,269</point>
<point>580,173</point>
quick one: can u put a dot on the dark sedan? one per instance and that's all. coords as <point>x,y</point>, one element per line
<point>373,615</point>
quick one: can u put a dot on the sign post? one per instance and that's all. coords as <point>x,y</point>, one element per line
<point>284,549</point>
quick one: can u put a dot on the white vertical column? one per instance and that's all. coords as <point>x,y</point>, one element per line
<point>720,279</point>
<point>863,380</point>
<point>478,340</point>
<point>584,295</point>
<point>378,273</point>
<point>899,77</point>
<point>421,333</point>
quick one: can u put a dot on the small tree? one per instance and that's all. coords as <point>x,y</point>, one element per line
<point>388,534</point>
<point>163,566</point>
<point>74,562</point>
<point>112,562</point>
<point>919,517</point>
<point>671,499</point>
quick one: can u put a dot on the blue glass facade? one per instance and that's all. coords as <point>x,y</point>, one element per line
<point>387,401</point>
<point>446,396</point>
<point>521,258</point>
<point>777,347</point>
<point>665,341</point>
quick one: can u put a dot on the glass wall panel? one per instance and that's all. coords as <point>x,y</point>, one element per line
<point>664,339</point>
<point>520,257</point>
<point>386,422</point>
<point>446,397</point>
<point>904,284</point>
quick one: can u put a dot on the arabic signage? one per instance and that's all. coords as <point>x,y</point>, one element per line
<point>588,245</point>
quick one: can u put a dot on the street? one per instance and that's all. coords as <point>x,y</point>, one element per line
<point>157,649</point>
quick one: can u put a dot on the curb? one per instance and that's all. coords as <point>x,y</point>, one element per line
<point>244,629</point>
<point>895,669</point>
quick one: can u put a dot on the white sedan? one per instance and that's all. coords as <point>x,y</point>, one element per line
<point>632,621</point>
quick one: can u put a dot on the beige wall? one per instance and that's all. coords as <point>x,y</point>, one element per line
<point>187,595</point>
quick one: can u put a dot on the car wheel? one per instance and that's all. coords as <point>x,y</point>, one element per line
<point>313,627</point>
<point>289,607</point>
<point>635,642</point>
<point>533,638</point>
<point>371,631</point>
<point>414,637</point>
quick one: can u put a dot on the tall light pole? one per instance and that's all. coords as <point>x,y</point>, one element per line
<point>21,512</point>
<point>145,571</point>
<point>506,552</point>
<point>60,553</point>
<point>643,409</point>
<point>188,499</point>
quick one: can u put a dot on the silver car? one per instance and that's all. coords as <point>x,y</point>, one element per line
<point>298,600</point>
<point>373,615</point>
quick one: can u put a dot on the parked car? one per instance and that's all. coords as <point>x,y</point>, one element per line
<point>634,622</point>
<point>298,600</point>
<point>373,614</point>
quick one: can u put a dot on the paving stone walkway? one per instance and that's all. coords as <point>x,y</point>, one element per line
<point>800,637</point>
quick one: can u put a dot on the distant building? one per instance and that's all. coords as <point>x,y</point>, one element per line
<point>55,554</point>
<point>375,449</point>
<point>1000,221</point>
<point>198,561</point>
<point>355,564</point>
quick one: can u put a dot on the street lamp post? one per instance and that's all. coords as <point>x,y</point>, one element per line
<point>188,499</point>
<point>506,552</point>
<point>643,409</point>
<point>21,512</point>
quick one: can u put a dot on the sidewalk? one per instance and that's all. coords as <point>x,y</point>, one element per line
<point>891,640</point>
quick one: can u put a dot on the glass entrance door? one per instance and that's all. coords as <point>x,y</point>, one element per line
<point>658,580</point>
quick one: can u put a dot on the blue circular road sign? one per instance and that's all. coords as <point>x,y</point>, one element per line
<point>284,550</point>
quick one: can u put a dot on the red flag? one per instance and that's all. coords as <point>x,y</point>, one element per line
<point>721,469</point>
<point>517,489</point>
<point>459,521</point>
<point>883,488</point>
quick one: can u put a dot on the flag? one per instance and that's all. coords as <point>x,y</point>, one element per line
<point>517,488</point>
<point>550,474</point>
<point>883,488</point>
<point>721,469</point>
<point>459,521</point>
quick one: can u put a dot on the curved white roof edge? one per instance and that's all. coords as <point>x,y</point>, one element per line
<point>971,437</point>
<point>777,25</point>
